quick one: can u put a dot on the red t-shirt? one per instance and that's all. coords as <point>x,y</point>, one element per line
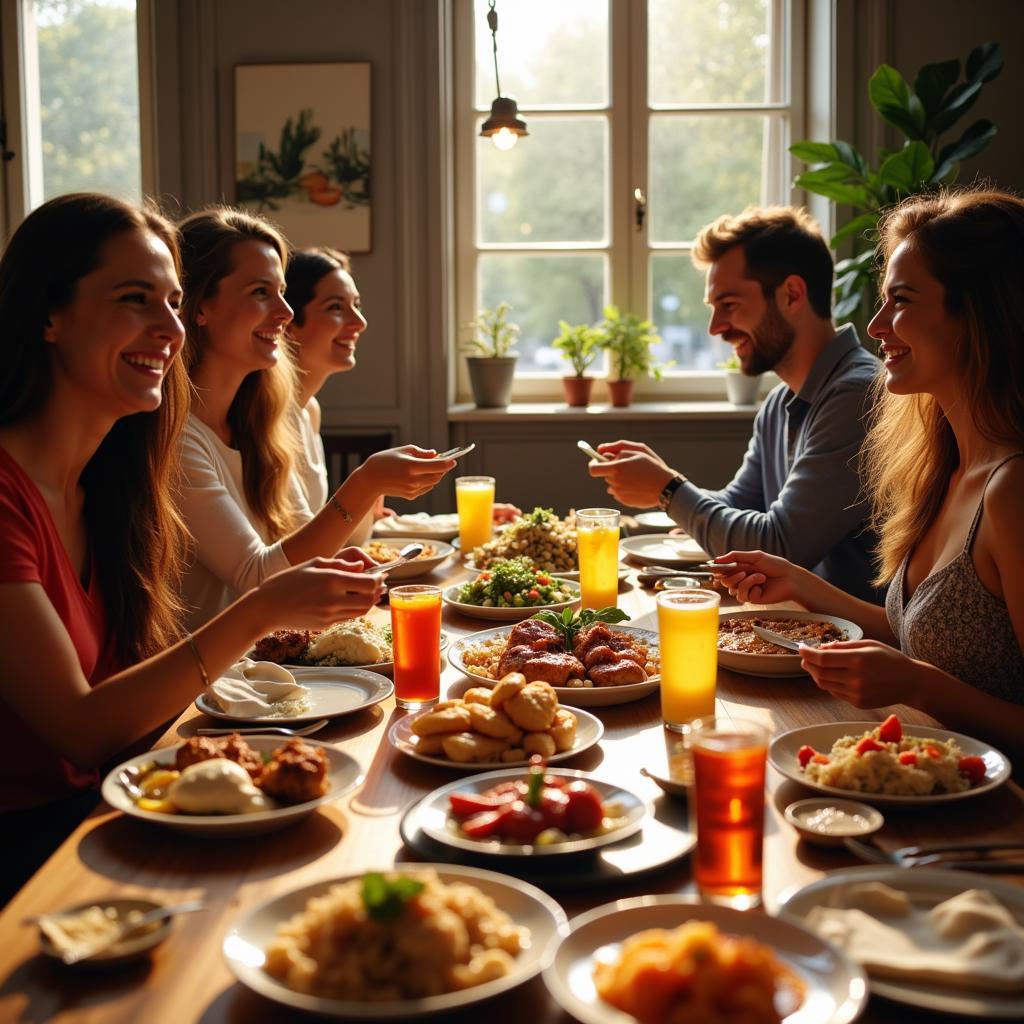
<point>31,551</point>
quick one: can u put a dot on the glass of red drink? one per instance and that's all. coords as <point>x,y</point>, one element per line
<point>728,772</point>
<point>416,641</point>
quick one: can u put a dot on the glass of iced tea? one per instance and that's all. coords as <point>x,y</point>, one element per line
<point>688,644</point>
<point>416,641</point>
<point>474,500</point>
<point>728,777</point>
<point>597,547</point>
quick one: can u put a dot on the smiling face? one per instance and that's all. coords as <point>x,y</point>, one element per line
<point>114,341</point>
<point>243,322</point>
<point>760,335</point>
<point>918,335</point>
<point>326,341</point>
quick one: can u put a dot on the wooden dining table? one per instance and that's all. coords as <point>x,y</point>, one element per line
<point>186,980</point>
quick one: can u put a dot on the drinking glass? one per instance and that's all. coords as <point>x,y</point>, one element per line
<point>597,545</point>
<point>474,499</point>
<point>688,642</point>
<point>416,641</point>
<point>728,775</point>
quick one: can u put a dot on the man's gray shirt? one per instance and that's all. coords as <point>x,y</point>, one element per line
<point>797,493</point>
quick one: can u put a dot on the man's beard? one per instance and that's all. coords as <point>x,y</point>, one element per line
<point>770,342</point>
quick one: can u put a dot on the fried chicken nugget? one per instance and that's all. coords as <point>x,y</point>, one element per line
<point>469,746</point>
<point>478,695</point>
<point>449,719</point>
<point>563,729</point>
<point>296,773</point>
<point>533,707</point>
<point>542,743</point>
<point>514,754</point>
<point>507,687</point>
<point>493,723</point>
<point>430,746</point>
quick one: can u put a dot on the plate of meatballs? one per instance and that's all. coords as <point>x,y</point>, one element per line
<point>608,664</point>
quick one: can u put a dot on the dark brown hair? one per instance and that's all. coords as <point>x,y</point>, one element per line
<point>306,268</point>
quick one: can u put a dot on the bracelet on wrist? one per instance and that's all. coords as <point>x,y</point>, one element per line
<point>341,510</point>
<point>191,641</point>
<point>668,491</point>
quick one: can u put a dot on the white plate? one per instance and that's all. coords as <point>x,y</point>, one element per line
<point>418,566</point>
<point>659,521</point>
<point>658,549</point>
<point>786,664</point>
<point>343,772</point>
<point>589,731</point>
<point>331,673</point>
<point>418,524</point>
<point>125,950</point>
<point>926,887</point>
<point>580,697</point>
<point>347,691</point>
<point>476,611</point>
<point>836,987</point>
<point>436,822</point>
<point>249,936</point>
<point>782,755</point>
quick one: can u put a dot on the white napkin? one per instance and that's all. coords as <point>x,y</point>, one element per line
<point>419,524</point>
<point>250,689</point>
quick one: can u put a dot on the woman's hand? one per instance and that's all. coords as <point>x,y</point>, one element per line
<point>320,592</point>
<point>760,578</point>
<point>504,512</point>
<point>355,559</point>
<point>406,472</point>
<point>864,673</point>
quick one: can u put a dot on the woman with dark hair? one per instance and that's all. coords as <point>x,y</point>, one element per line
<point>944,470</point>
<point>92,399</point>
<point>242,501</point>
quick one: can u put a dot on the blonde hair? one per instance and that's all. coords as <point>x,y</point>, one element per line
<point>260,417</point>
<point>970,240</point>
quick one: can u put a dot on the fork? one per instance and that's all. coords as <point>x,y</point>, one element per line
<point>276,730</point>
<point>920,856</point>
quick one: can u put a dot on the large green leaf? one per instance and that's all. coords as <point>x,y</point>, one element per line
<point>856,263</point>
<point>909,169</point>
<point>933,82</point>
<point>984,62</point>
<point>837,191</point>
<point>890,96</point>
<point>972,142</point>
<point>854,228</point>
<point>814,152</point>
<point>848,305</point>
<point>850,156</point>
<point>958,102</point>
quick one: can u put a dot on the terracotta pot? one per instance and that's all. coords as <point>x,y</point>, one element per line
<point>577,390</point>
<point>491,380</point>
<point>621,392</point>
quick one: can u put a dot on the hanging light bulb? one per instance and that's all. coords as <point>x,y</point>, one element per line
<point>504,126</point>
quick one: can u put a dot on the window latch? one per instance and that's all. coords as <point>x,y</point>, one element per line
<point>639,207</point>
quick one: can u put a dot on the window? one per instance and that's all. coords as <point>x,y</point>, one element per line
<point>687,101</point>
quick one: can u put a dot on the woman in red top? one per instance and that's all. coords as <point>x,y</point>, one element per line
<point>92,399</point>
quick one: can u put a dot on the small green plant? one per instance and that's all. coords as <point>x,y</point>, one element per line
<point>628,339</point>
<point>732,363</point>
<point>569,623</point>
<point>277,173</point>
<point>494,333</point>
<point>580,344</point>
<point>349,165</point>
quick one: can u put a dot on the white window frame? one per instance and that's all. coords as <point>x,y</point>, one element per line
<point>628,250</point>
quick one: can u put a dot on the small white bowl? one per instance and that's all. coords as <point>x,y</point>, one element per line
<point>811,820</point>
<point>123,951</point>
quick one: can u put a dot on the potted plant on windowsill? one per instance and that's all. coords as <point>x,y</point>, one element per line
<point>492,367</point>
<point>628,340</point>
<point>739,388</point>
<point>580,345</point>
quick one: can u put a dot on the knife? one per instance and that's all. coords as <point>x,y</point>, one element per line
<point>776,638</point>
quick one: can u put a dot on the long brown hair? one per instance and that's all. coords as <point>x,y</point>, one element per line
<point>260,418</point>
<point>971,241</point>
<point>136,537</point>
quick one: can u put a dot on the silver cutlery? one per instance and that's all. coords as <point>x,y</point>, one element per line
<point>276,730</point>
<point>407,554</point>
<point>775,638</point>
<point>936,855</point>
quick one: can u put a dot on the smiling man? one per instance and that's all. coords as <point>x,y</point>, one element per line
<point>769,286</point>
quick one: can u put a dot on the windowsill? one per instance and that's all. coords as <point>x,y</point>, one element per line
<point>525,412</point>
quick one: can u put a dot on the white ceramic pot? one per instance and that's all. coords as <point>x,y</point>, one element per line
<point>741,389</point>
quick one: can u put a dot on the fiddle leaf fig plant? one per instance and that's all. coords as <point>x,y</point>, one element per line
<point>923,115</point>
<point>628,340</point>
<point>494,334</point>
<point>580,344</point>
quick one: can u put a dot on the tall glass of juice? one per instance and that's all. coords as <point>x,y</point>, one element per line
<point>474,499</point>
<point>688,638</point>
<point>597,545</point>
<point>416,641</point>
<point>728,776</point>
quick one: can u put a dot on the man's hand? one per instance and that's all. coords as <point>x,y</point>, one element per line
<point>636,476</point>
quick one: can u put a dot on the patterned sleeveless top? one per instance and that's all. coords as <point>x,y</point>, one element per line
<point>954,623</point>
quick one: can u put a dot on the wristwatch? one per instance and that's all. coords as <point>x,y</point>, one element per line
<point>667,492</point>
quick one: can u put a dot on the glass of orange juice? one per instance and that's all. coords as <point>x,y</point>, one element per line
<point>688,639</point>
<point>597,546</point>
<point>728,777</point>
<point>474,499</point>
<point>416,641</point>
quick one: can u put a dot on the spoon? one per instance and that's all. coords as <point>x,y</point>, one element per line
<point>277,730</point>
<point>407,554</point>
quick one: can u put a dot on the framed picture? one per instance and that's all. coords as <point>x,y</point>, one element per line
<point>302,150</point>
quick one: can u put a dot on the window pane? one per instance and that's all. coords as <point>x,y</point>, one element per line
<point>677,307</point>
<point>702,167</point>
<point>543,290</point>
<point>549,54</point>
<point>708,51</point>
<point>549,188</point>
<point>88,96</point>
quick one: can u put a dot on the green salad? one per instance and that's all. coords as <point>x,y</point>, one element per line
<point>515,583</point>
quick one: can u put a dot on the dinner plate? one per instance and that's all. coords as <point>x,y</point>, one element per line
<point>926,887</point>
<point>343,773</point>
<point>657,521</point>
<point>659,549</point>
<point>580,697</point>
<point>438,824</point>
<point>331,673</point>
<point>450,597</point>
<point>836,988</point>
<point>784,663</point>
<point>347,691</point>
<point>418,566</point>
<point>589,730</point>
<point>418,524</point>
<point>782,755</point>
<point>573,575</point>
<point>248,938</point>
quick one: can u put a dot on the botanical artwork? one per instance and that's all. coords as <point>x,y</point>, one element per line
<point>302,152</point>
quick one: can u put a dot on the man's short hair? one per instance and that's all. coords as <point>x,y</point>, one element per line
<point>777,241</point>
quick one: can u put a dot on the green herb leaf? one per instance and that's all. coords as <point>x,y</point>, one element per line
<point>569,623</point>
<point>385,900</point>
